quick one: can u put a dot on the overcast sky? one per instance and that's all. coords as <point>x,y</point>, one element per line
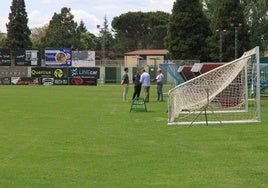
<point>92,12</point>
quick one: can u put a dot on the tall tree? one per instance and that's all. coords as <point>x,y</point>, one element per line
<point>18,32</point>
<point>231,29</point>
<point>105,39</point>
<point>88,40</point>
<point>82,27</point>
<point>104,35</point>
<point>62,31</point>
<point>210,8</point>
<point>188,30</point>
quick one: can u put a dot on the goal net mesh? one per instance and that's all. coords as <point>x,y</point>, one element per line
<point>226,94</point>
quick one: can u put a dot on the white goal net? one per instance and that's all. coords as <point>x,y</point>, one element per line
<point>227,94</point>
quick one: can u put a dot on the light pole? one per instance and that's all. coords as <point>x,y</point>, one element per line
<point>236,27</point>
<point>220,41</point>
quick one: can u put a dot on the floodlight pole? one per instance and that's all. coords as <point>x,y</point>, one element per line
<point>220,41</point>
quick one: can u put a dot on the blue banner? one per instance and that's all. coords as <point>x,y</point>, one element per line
<point>58,57</point>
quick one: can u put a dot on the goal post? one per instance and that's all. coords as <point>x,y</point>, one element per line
<point>229,93</point>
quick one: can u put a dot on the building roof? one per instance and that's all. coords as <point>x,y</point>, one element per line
<point>147,52</point>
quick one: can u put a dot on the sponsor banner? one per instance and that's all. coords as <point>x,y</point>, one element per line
<point>84,72</point>
<point>37,72</point>
<point>5,81</point>
<point>25,57</point>
<point>47,81</point>
<point>47,72</point>
<point>83,81</point>
<point>60,81</point>
<point>59,73</point>
<point>54,81</point>
<point>83,59</point>
<point>14,72</point>
<point>5,57</point>
<point>24,81</point>
<point>58,57</point>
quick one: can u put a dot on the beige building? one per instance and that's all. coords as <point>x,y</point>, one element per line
<point>145,58</point>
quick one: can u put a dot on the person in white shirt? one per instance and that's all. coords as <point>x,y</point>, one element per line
<point>146,83</point>
<point>159,85</point>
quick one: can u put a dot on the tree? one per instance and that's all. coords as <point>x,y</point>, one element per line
<point>89,41</point>
<point>82,27</point>
<point>105,39</point>
<point>188,30</point>
<point>18,32</point>
<point>210,7</point>
<point>62,31</point>
<point>2,41</point>
<point>37,34</point>
<point>138,30</point>
<point>235,40</point>
<point>256,13</point>
<point>104,35</point>
<point>158,22</point>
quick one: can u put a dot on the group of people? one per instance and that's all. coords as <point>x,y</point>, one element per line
<point>143,80</point>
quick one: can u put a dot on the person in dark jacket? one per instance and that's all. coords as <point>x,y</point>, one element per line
<point>137,85</point>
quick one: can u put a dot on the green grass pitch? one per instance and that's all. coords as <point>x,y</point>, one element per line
<point>67,136</point>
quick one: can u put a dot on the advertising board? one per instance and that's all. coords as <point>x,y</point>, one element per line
<point>83,59</point>
<point>58,57</point>
<point>5,57</point>
<point>24,57</point>
<point>84,72</point>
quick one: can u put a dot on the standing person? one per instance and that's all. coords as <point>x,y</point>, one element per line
<point>159,85</point>
<point>146,83</point>
<point>137,85</point>
<point>125,84</point>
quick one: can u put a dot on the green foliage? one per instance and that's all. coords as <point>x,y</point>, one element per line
<point>2,41</point>
<point>89,41</point>
<point>105,36</point>
<point>139,30</point>
<point>188,33</point>
<point>82,27</point>
<point>85,136</point>
<point>18,32</point>
<point>37,34</point>
<point>231,12</point>
<point>188,30</point>
<point>62,31</point>
<point>224,13</point>
<point>257,14</point>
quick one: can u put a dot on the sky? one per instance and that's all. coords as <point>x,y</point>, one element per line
<point>92,12</point>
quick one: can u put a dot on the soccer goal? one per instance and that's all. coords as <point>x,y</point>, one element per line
<point>229,93</point>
